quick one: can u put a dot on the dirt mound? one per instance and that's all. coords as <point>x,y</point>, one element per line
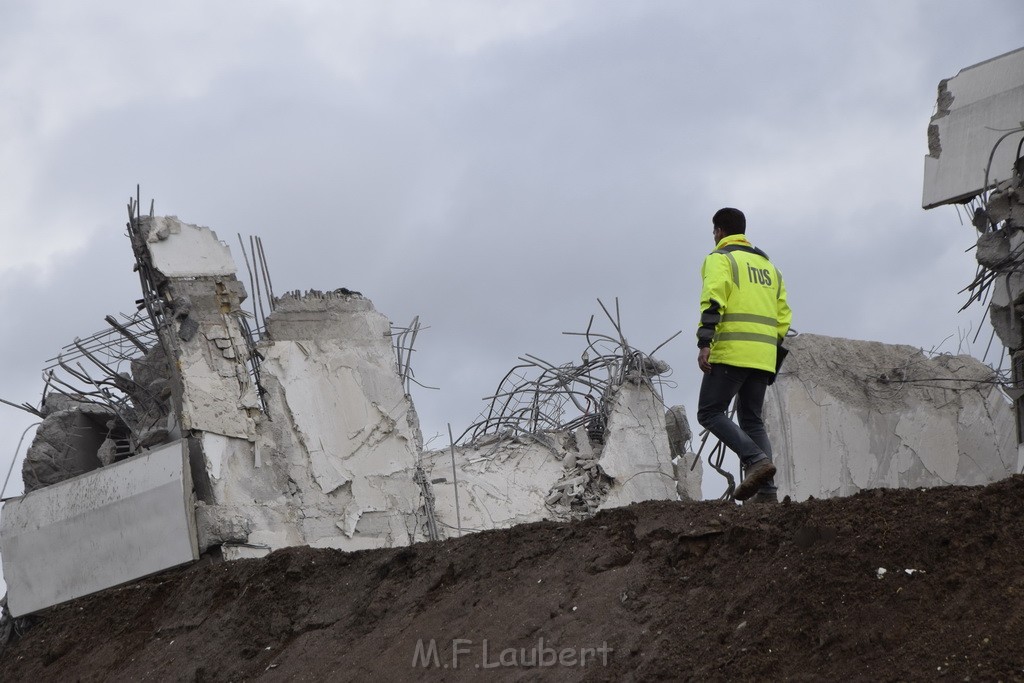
<point>657,591</point>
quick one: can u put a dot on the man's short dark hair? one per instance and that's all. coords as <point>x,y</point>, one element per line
<point>731,221</point>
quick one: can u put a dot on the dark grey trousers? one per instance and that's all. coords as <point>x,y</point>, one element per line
<point>748,440</point>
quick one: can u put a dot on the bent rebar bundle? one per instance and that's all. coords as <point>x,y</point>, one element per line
<point>537,396</point>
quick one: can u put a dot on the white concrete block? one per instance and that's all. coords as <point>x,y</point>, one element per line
<point>689,473</point>
<point>636,452</point>
<point>340,447</point>
<point>498,488</point>
<point>974,109</point>
<point>182,250</point>
<point>101,529</point>
<point>851,415</point>
<point>231,551</point>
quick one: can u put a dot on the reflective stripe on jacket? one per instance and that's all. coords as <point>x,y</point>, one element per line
<point>744,314</point>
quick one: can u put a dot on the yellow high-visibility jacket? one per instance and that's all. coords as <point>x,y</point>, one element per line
<point>744,314</point>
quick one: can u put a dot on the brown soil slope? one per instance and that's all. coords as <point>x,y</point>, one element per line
<point>704,591</point>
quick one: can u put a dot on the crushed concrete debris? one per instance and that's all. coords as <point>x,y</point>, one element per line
<point>687,466</point>
<point>570,473</point>
<point>307,436</point>
<point>592,435</point>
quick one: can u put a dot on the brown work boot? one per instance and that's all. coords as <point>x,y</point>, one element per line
<point>763,498</point>
<point>758,473</point>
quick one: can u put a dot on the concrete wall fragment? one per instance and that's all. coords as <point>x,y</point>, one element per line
<point>180,250</point>
<point>101,529</point>
<point>333,466</point>
<point>212,387</point>
<point>849,415</point>
<point>500,483</point>
<point>687,466</point>
<point>974,109</point>
<point>504,481</point>
<point>636,455</point>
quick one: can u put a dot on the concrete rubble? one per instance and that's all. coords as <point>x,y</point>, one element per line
<point>239,433</point>
<point>301,432</point>
<point>504,480</point>
<point>973,136</point>
<point>975,159</point>
<point>848,415</point>
<point>295,427</point>
<point>332,466</point>
<point>687,465</point>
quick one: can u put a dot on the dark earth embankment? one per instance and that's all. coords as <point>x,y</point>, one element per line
<point>677,591</point>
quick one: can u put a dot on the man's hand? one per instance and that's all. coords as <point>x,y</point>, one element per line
<point>702,360</point>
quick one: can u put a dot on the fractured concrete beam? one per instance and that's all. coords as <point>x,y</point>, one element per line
<point>975,108</point>
<point>107,527</point>
<point>183,250</point>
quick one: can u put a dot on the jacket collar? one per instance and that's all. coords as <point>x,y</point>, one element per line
<point>741,240</point>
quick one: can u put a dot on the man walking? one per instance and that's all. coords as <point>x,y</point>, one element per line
<point>744,317</point>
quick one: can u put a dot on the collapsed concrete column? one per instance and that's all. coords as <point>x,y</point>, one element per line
<point>974,143</point>
<point>309,438</point>
<point>333,466</point>
<point>202,298</point>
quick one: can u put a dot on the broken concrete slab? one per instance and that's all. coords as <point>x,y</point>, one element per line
<point>688,470</point>
<point>333,464</point>
<point>504,481</point>
<point>180,250</point>
<point>500,484</point>
<point>975,108</point>
<point>687,467</point>
<point>638,462</point>
<point>101,529</point>
<point>677,426</point>
<point>848,415</point>
<point>210,380</point>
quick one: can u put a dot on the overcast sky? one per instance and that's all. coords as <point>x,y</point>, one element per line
<point>493,167</point>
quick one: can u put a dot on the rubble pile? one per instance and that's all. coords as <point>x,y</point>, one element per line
<point>291,424</point>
